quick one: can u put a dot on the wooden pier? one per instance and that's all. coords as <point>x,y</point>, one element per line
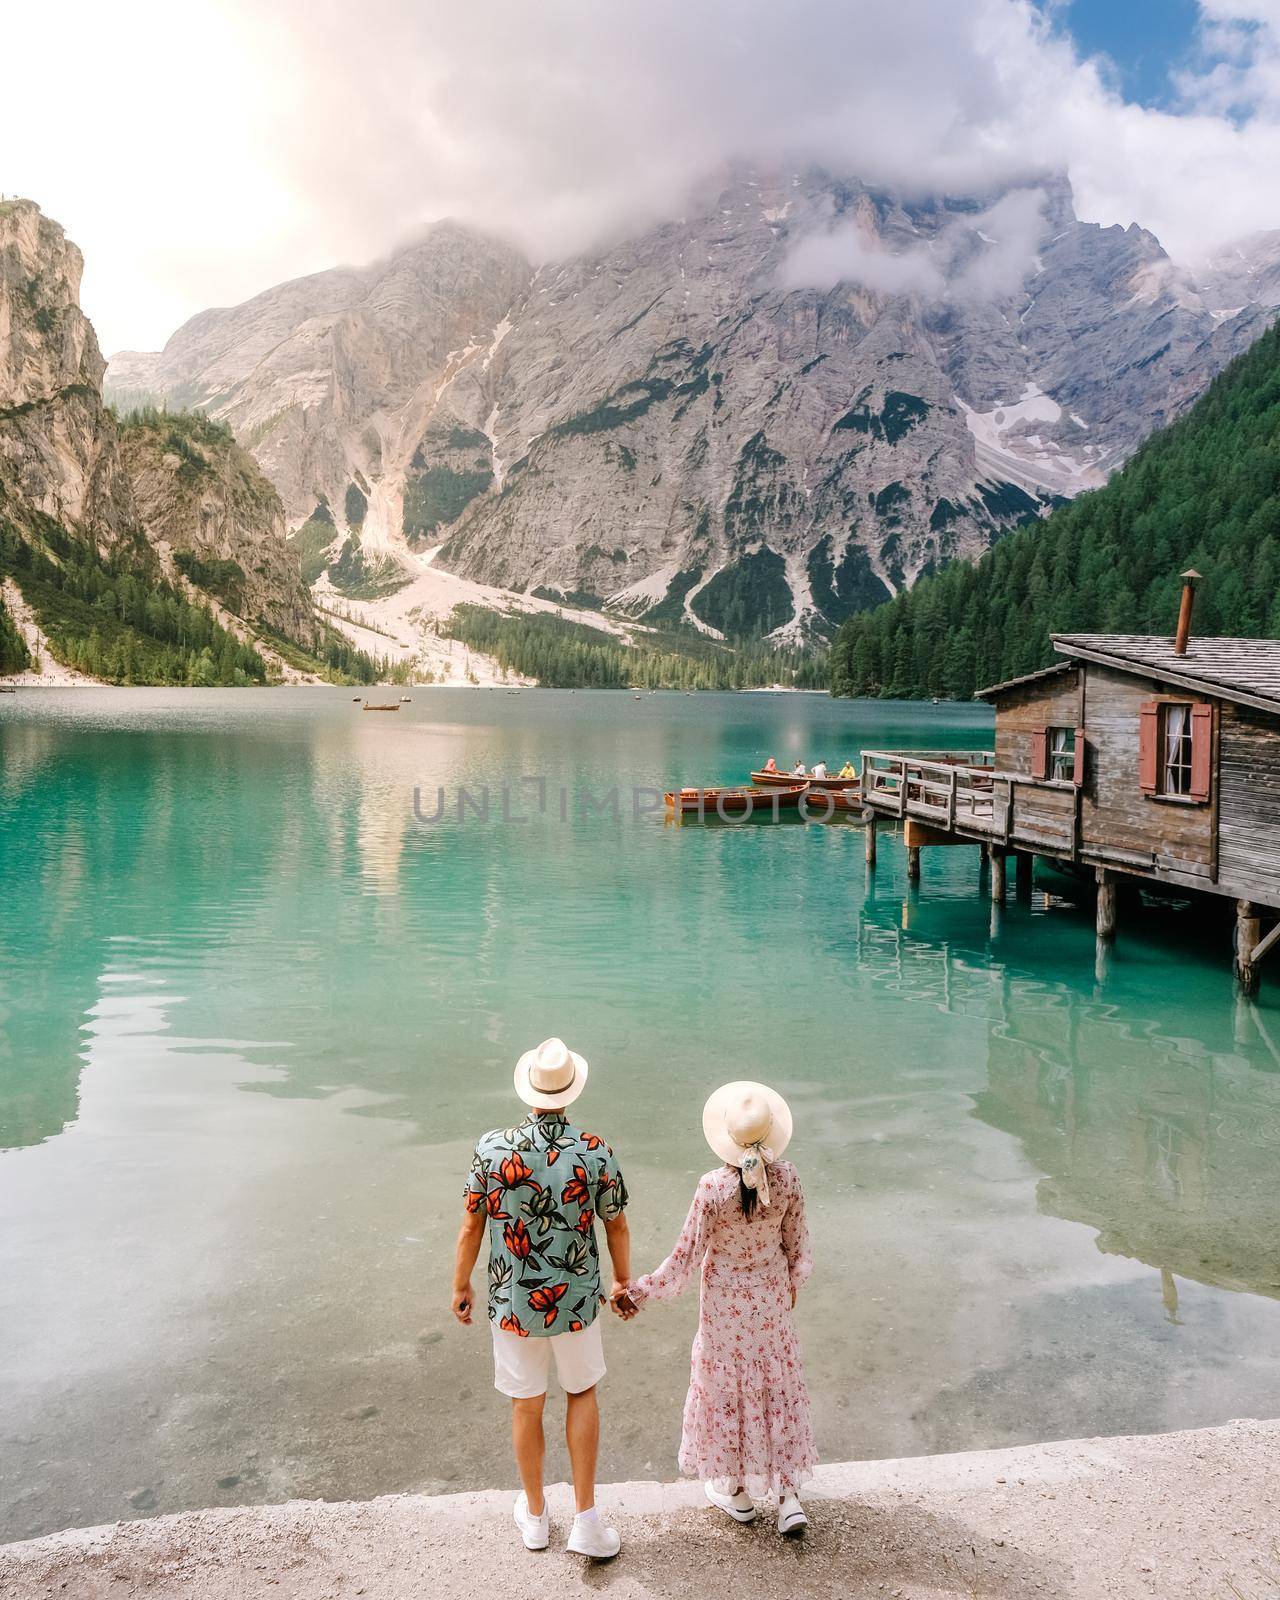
<point>1129,759</point>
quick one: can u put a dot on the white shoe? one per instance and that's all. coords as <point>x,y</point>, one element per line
<point>535,1531</point>
<point>791,1517</point>
<point>593,1538</point>
<point>741,1507</point>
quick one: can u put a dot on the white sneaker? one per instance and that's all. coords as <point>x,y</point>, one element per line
<point>593,1538</point>
<point>791,1517</point>
<point>741,1507</point>
<point>535,1531</point>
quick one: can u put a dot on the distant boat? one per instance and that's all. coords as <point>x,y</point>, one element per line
<point>7,688</point>
<point>394,706</point>
<point>356,698</point>
<point>406,699</point>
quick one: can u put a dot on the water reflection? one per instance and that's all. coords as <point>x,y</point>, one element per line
<point>1157,1128</point>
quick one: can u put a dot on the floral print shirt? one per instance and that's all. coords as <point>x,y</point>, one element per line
<point>543,1184</point>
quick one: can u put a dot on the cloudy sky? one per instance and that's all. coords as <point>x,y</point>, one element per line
<point>200,152</point>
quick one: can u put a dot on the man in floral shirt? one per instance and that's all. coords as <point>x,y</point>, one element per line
<point>538,1188</point>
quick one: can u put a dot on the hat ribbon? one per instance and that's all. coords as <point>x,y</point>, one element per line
<point>754,1169</point>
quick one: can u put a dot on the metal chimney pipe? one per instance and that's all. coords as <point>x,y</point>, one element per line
<point>1190,578</point>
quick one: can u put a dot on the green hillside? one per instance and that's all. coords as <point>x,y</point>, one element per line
<point>1203,493</point>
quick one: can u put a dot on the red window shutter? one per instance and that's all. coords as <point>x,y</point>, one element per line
<point>1201,751</point>
<point>1040,753</point>
<point>1149,746</point>
<point>1077,771</point>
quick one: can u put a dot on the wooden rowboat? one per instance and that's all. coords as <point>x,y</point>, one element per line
<point>394,706</point>
<point>778,780</point>
<point>733,801</point>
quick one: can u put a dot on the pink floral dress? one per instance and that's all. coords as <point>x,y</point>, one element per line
<point>746,1418</point>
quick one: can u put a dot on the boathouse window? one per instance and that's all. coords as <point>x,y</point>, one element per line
<point>1175,749</point>
<point>1062,753</point>
<point>1055,753</point>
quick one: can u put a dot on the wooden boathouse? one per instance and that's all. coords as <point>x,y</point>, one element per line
<point>1153,759</point>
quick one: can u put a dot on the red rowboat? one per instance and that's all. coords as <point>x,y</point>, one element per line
<point>733,802</point>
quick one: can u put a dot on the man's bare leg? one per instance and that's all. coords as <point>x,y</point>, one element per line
<point>531,1448</point>
<point>582,1435</point>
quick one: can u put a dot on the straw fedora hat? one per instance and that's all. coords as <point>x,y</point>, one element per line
<point>550,1077</point>
<point>744,1116</point>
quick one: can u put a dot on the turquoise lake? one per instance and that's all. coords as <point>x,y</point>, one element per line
<point>254,1013</point>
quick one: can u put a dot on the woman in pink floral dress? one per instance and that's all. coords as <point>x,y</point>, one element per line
<point>746,1418</point>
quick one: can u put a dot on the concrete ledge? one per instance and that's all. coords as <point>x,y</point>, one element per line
<point>1193,1514</point>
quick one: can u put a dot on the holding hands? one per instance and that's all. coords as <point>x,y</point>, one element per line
<point>622,1303</point>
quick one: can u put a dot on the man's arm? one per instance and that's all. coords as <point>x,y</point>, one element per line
<point>469,1236</point>
<point>618,1235</point>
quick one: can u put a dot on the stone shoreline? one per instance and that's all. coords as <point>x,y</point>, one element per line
<point>1191,1514</point>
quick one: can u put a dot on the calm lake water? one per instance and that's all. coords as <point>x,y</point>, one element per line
<point>253,1014</point>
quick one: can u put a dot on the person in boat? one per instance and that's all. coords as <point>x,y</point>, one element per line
<point>798,771</point>
<point>847,771</point>
<point>819,770</point>
<point>747,1430</point>
<point>538,1188</point>
<point>771,765</point>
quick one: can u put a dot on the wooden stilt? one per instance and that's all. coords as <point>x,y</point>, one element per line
<point>1248,929</point>
<point>913,863</point>
<point>1025,869</point>
<point>997,873</point>
<point>1106,906</point>
<point>869,837</point>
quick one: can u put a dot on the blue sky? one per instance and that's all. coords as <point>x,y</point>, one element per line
<point>1145,39</point>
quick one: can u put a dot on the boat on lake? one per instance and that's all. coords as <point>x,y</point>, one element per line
<point>783,780</point>
<point>394,706</point>
<point>733,800</point>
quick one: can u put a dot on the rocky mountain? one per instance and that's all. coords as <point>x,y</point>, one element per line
<point>148,550</point>
<point>212,516</point>
<point>763,416</point>
<point>58,453</point>
<point>331,380</point>
<point>1247,272</point>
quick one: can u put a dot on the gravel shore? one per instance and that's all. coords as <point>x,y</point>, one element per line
<point>1172,1515</point>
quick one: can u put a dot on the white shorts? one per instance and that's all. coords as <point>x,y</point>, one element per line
<point>521,1366</point>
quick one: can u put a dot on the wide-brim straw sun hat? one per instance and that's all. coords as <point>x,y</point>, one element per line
<point>551,1076</point>
<point>742,1117</point>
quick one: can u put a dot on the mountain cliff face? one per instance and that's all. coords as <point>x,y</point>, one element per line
<point>148,550</point>
<point>213,517</point>
<point>1247,272</point>
<point>331,380</point>
<point>58,451</point>
<point>773,412</point>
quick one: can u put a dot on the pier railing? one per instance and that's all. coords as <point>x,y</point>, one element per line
<point>962,792</point>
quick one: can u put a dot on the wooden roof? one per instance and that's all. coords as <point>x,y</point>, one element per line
<point>1027,677</point>
<point>1243,670</point>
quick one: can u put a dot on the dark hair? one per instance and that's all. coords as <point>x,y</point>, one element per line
<point>748,1197</point>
